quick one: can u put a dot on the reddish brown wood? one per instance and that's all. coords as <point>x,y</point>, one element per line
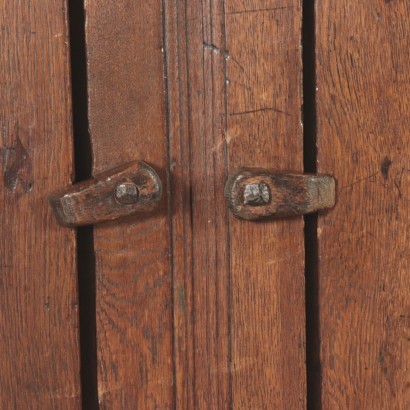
<point>123,191</point>
<point>196,89</point>
<point>267,260</point>
<point>39,349</point>
<point>364,248</point>
<point>257,194</point>
<point>127,122</point>
<point>234,75</point>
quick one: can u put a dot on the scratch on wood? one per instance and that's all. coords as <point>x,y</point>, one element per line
<point>260,110</point>
<point>270,9</point>
<point>356,182</point>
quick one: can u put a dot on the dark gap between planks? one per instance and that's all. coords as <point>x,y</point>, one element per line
<point>313,367</point>
<point>85,236</point>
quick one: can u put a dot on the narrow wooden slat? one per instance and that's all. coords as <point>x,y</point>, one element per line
<point>127,122</point>
<point>363,107</point>
<point>196,79</point>
<point>267,259</point>
<point>39,346</point>
<point>234,72</point>
<point>180,205</point>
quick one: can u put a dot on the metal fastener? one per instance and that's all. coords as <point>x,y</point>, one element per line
<point>256,194</point>
<point>126,193</point>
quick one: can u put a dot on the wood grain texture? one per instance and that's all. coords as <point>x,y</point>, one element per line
<point>363,107</point>
<point>133,188</point>
<point>127,122</point>
<point>234,75</point>
<point>196,89</point>
<point>258,194</point>
<point>267,260</point>
<point>39,347</point>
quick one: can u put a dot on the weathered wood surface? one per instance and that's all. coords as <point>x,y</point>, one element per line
<point>257,194</point>
<point>127,122</point>
<point>363,107</point>
<point>234,75</point>
<point>133,188</point>
<point>39,346</point>
<point>263,114</point>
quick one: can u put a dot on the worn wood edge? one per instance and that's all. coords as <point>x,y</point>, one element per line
<point>291,194</point>
<point>93,201</point>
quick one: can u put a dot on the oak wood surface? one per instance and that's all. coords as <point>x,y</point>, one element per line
<point>234,86</point>
<point>127,122</point>
<point>39,346</point>
<point>363,104</point>
<point>267,260</point>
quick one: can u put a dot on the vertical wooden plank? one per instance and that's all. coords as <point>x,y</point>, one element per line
<point>196,73</point>
<point>180,204</point>
<point>234,71</point>
<point>364,249</point>
<point>267,259</point>
<point>127,122</point>
<point>39,349</point>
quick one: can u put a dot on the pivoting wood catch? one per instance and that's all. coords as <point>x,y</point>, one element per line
<point>260,194</point>
<point>125,190</point>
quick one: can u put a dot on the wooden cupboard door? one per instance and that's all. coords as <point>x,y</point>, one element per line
<point>191,307</point>
<point>197,309</point>
<point>363,108</point>
<point>39,346</point>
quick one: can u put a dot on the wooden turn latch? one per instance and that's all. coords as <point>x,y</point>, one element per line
<point>256,194</point>
<point>125,190</point>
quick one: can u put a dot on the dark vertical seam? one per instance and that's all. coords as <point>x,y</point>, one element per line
<point>206,184</point>
<point>227,225</point>
<point>189,131</point>
<point>207,25</point>
<point>313,365</point>
<point>186,270</point>
<point>164,10</point>
<point>85,235</point>
<point>215,251</point>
